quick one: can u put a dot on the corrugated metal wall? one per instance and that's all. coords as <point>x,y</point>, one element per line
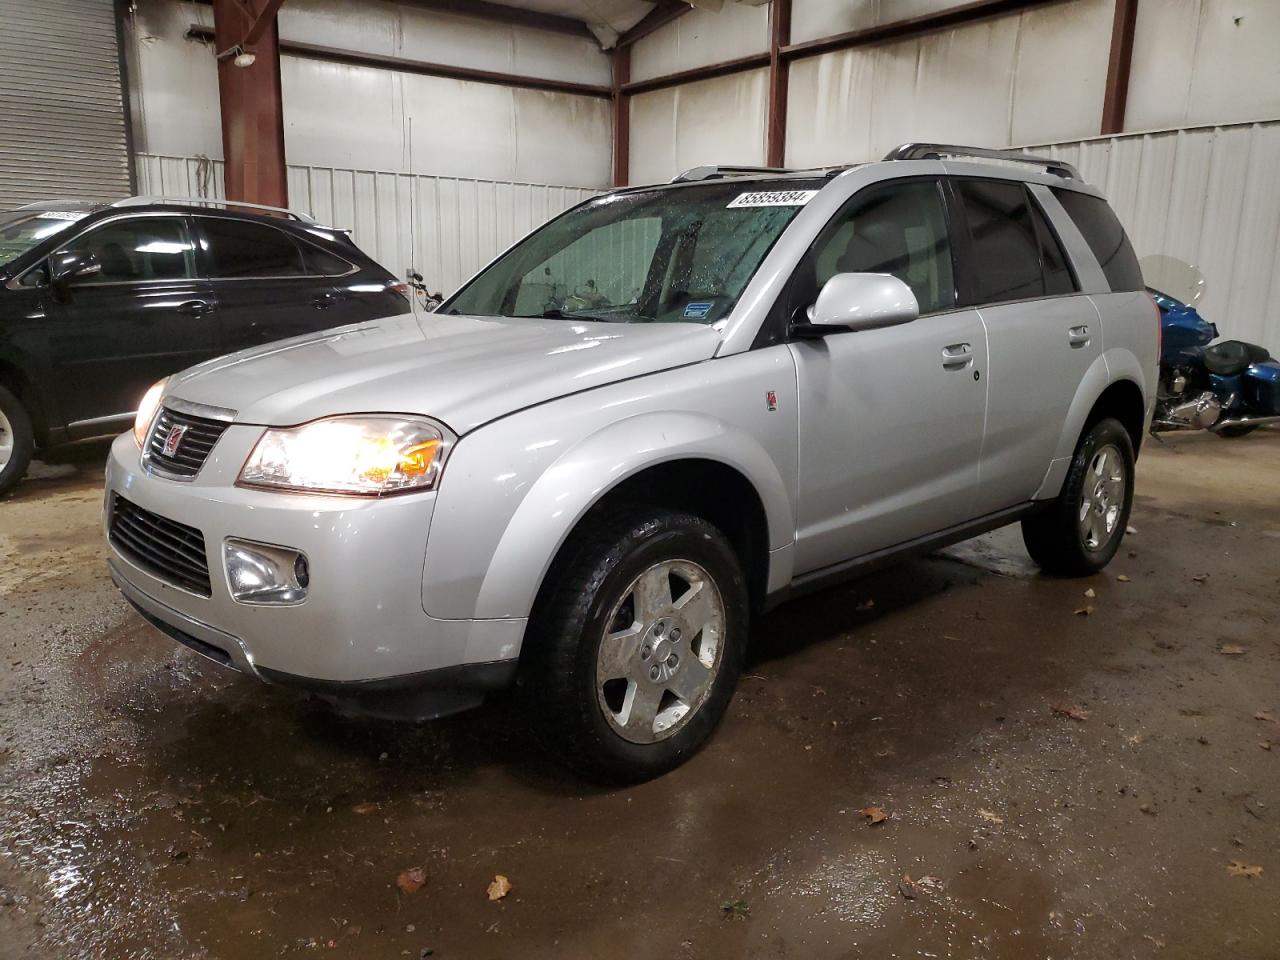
<point>62,124</point>
<point>446,227</point>
<point>1209,196</point>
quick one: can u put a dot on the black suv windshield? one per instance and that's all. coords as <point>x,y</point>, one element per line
<point>23,229</point>
<point>683,254</point>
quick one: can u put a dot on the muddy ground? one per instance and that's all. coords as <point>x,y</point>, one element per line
<point>1080,785</point>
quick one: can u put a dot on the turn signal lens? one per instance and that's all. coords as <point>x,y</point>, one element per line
<point>368,456</point>
<point>147,411</point>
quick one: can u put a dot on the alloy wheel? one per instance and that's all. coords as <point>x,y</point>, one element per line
<point>1101,498</point>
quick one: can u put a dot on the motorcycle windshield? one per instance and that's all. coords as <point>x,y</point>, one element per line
<point>1174,278</point>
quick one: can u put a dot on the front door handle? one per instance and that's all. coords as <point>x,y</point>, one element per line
<point>1078,336</point>
<point>194,308</point>
<point>957,356</point>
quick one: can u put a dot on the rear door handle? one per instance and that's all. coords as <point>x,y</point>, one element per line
<point>327,300</point>
<point>195,308</point>
<point>1079,336</point>
<point>957,355</point>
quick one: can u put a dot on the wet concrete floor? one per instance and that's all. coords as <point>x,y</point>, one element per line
<point>1057,784</point>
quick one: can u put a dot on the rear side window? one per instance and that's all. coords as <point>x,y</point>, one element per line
<point>321,263</point>
<point>1106,238</point>
<point>1058,278</point>
<point>240,249</point>
<point>1005,248</point>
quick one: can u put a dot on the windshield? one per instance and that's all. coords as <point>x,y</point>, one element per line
<point>23,229</point>
<point>655,256</point>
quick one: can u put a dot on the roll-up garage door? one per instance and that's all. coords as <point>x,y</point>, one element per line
<point>62,120</point>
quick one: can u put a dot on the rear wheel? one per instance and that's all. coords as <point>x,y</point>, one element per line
<point>1081,530</point>
<point>16,441</point>
<point>1239,431</point>
<point>634,655</point>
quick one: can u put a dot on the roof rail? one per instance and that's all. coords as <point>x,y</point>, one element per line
<point>210,202</point>
<point>715,172</point>
<point>936,151</point>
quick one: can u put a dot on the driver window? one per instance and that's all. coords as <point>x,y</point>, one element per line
<point>899,229</point>
<point>603,268</point>
<point>138,249</point>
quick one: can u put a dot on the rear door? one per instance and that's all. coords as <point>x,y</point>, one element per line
<point>1042,333</point>
<point>144,316</point>
<point>262,284</point>
<point>890,420</point>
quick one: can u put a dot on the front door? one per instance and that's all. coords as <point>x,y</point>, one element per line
<point>890,420</point>
<point>144,316</point>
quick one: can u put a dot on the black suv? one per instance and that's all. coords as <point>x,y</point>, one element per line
<point>97,302</point>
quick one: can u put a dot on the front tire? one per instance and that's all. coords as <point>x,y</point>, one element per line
<point>1081,530</point>
<point>17,443</point>
<point>636,646</point>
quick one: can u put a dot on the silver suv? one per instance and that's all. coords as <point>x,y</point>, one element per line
<point>662,412</point>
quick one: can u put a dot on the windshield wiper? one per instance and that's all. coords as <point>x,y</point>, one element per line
<point>557,314</point>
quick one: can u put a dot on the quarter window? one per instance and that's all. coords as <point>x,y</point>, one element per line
<point>899,229</point>
<point>1058,278</point>
<point>138,249</point>
<point>241,249</point>
<point>321,263</point>
<point>1106,238</point>
<point>1005,248</point>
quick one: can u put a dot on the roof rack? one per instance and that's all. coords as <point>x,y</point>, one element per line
<point>210,202</point>
<point>936,151</point>
<point>720,172</point>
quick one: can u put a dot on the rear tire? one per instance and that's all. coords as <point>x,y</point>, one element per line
<point>637,642</point>
<point>1081,530</point>
<point>17,442</point>
<point>1230,433</point>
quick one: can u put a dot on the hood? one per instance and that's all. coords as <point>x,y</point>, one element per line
<point>463,371</point>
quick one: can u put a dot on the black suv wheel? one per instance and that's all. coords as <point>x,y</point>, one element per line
<point>16,441</point>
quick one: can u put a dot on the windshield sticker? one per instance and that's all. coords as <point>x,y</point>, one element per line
<point>697,309</point>
<point>773,198</point>
<point>63,215</point>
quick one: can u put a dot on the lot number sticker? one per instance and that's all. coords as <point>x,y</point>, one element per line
<point>773,198</point>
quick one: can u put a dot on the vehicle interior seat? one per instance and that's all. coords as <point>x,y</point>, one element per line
<point>1230,357</point>
<point>115,263</point>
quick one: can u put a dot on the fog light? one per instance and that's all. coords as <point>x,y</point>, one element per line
<point>266,574</point>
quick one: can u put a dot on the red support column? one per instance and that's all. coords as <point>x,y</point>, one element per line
<point>1117,90</point>
<point>779,37</point>
<point>252,110</point>
<point>621,116</point>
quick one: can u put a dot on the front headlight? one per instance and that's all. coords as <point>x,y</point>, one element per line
<point>364,456</point>
<point>147,408</point>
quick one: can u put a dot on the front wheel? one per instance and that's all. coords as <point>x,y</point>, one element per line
<point>16,441</point>
<point>1081,530</point>
<point>635,651</point>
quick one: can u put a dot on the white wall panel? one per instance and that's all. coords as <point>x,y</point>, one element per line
<point>176,83</point>
<point>1060,71</point>
<point>712,121</point>
<point>701,37</point>
<point>1204,61</point>
<point>1208,196</point>
<point>814,19</point>
<point>446,227</point>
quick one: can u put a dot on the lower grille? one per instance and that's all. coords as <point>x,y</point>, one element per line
<point>179,443</point>
<point>172,551</point>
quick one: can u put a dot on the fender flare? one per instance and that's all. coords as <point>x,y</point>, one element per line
<point>563,494</point>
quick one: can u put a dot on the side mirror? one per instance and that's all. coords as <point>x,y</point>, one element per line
<point>66,268</point>
<point>860,301</point>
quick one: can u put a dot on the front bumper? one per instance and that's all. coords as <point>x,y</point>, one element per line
<point>362,621</point>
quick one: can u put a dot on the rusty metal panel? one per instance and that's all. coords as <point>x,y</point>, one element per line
<point>1206,195</point>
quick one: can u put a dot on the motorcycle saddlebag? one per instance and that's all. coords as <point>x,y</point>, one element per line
<point>1262,387</point>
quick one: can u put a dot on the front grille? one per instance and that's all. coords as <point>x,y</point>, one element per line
<point>172,551</point>
<point>195,441</point>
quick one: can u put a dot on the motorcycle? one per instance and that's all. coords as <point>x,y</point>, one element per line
<point>1229,388</point>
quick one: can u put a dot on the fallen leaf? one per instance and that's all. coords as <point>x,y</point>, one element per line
<point>412,880</point>
<point>1085,611</point>
<point>874,814</point>
<point>499,887</point>
<point>1074,712</point>
<point>1231,649</point>
<point>1238,869</point>
<point>364,808</point>
<point>1265,715</point>
<point>1156,942</point>
<point>1131,530</point>
<point>1265,744</point>
<point>1122,579</point>
<point>1090,593</point>
<point>1200,577</point>
<point>735,910</point>
<point>910,889</point>
<point>990,816</point>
